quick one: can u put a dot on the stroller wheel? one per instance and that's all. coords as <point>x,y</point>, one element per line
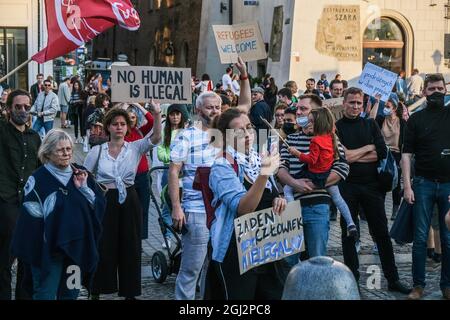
<point>159,267</point>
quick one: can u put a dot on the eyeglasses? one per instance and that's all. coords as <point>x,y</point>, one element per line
<point>18,107</point>
<point>241,132</point>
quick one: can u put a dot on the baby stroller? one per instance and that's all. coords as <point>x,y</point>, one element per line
<point>161,268</point>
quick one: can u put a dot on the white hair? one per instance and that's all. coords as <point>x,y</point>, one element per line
<point>49,143</point>
<point>209,94</point>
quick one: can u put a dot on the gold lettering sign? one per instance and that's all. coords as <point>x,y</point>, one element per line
<point>338,32</point>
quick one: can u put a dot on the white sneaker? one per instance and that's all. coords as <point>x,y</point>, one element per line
<point>85,148</point>
<point>358,246</point>
<point>169,243</point>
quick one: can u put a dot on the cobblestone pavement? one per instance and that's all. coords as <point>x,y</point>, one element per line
<point>165,291</point>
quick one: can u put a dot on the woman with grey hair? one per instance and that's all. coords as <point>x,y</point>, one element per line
<point>59,227</point>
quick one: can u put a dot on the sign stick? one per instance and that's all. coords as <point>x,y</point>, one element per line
<point>271,127</point>
<point>9,74</point>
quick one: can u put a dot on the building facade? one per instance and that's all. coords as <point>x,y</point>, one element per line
<point>22,34</point>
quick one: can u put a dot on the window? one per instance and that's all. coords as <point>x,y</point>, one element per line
<point>13,51</point>
<point>385,45</point>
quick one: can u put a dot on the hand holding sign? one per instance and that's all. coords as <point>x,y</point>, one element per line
<point>155,108</point>
<point>375,81</point>
<point>279,205</point>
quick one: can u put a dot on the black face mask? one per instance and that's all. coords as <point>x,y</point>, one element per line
<point>436,100</point>
<point>289,128</point>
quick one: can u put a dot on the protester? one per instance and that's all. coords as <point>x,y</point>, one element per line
<point>279,115</point>
<point>315,202</point>
<point>54,84</point>
<point>321,89</point>
<point>392,128</point>
<point>226,79</point>
<point>226,103</point>
<point>427,138</point>
<point>323,78</point>
<point>364,147</point>
<point>64,95</point>
<point>260,110</point>
<point>176,121</point>
<point>336,89</point>
<point>76,106</point>
<point>235,86</point>
<point>289,122</point>
<point>323,151</point>
<point>415,86</point>
<point>114,163</point>
<point>37,87</point>
<point>18,155</point>
<point>3,105</point>
<point>205,85</point>
<point>65,232</point>
<point>97,134</point>
<point>285,96</point>
<point>401,86</point>
<point>45,108</point>
<point>189,150</point>
<point>292,85</point>
<point>270,93</point>
<point>252,188</point>
<point>139,130</point>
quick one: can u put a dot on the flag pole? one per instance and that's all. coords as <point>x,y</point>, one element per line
<point>15,70</point>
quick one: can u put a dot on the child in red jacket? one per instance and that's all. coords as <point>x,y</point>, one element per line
<point>323,151</point>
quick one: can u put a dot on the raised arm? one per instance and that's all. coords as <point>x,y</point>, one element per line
<point>245,100</point>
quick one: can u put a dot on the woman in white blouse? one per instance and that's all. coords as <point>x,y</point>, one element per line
<point>114,164</point>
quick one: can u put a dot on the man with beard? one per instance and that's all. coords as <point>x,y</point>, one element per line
<point>192,149</point>
<point>18,155</point>
<point>427,136</point>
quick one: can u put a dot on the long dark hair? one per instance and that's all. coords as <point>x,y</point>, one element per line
<point>222,123</point>
<point>168,127</point>
<point>80,88</point>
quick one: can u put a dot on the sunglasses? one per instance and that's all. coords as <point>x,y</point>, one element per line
<point>47,85</point>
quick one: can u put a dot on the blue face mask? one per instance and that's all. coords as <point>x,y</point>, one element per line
<point>387,112</point>
<point>302,121</point>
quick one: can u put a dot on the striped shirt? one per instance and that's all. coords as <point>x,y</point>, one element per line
<point>292,164</point>
<point>192,148</point>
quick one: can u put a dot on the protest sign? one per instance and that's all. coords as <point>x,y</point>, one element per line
<point>243,40</point>
<point>263,236</point>
<point>375,80</point>
<point>140,84</point>
<point>336,107</point>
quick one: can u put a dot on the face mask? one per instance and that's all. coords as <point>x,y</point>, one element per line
<point>387,112</point>
<point>19,117</point>
<point>302,121</point>
<point>289,128</point>
<point>436,100</point>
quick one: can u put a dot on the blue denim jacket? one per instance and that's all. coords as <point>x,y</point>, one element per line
<point>228,189</point>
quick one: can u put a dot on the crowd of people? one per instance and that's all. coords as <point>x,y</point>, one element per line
<point>56,214</point>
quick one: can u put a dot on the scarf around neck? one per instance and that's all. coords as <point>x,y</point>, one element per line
<point>251,164</point>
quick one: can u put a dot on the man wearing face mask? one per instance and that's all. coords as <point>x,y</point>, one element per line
<point>189,150</point>
<point>18,157</point>
<point>427,136</point>
<point>315,202</point>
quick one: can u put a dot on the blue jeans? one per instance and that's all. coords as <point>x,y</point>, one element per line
<point>428,193</point>
<point>195,248</point>
<point>53,286</point>
<point>39,124</point>
<point>316,224</point>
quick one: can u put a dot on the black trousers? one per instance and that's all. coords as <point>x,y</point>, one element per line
<point>76,117</point>
<point>371,200</point>
<point>9,213</point>
<point>119,268</point>
<point>396,193</point>
<point>224,282</point>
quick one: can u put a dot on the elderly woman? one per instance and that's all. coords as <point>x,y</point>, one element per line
<point>60,224</point>
<point>239,190</point>
<point>115,164</point>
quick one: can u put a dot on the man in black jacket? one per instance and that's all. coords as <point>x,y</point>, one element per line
<point>37,88</point>
<point>260,109</point>
<point>427,136</point>
<point>364,148</point>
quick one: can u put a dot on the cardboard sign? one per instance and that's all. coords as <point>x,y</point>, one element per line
<point>243,40</point>
<point>263,236</point>
<point>140,84</point>
<point>375,80</point>
<point>338,32</point>
<point>336,107</point>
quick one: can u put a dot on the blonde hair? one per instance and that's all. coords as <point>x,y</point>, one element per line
<point>49,143</point>
<point>91,100</point>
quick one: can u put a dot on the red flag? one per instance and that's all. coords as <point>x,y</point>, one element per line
<point>71,23</point>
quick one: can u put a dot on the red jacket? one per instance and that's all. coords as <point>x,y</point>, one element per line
<point>137,134</point>
<point>321,154</point>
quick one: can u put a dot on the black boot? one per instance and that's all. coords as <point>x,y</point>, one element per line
<point>398,286</point>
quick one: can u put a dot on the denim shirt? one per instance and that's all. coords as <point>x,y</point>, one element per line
<point>228,189</point>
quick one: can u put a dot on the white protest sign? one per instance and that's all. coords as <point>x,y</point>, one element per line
<point>263,236</point>
<point>336,107</point>
<point>243,40</point>
<point>375,80</point>
<point>140,84</point>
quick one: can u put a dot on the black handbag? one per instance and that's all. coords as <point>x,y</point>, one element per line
<point>402,231</point>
